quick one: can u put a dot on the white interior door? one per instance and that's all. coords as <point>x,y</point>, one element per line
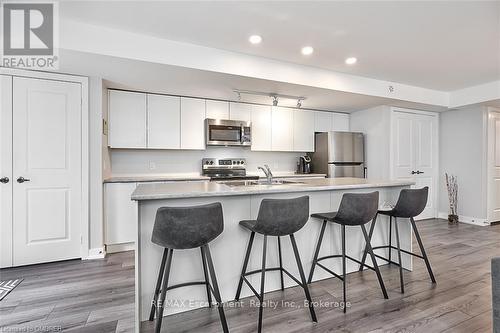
<point>5,171</point>
<point>494,167</point>
<point>47,153</point>
<point>415,144</point>
<point>425,159</point>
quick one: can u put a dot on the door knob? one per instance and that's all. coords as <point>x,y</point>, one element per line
<point>4,180</point>
<point>22,180</point>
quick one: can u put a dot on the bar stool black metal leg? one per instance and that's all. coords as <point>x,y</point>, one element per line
<point>161,304</point>
<point>344,289</point>
<point>390,238</point>
<point>245,264</point>
<point>281,264</point>
<point>262,281</point>
<point>426,259</point>
<point>372,227</point>
<point>158,285</point>
<point>215,287</point>
<point>207,282</point>
<point>375,266</point>
<point>303,278</point>
<point>316,252</point>
<point>399,256</point>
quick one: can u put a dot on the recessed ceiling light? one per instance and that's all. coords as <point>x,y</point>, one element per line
<point>255,39</point>
<point>351,61</point>
<point>307,50</point>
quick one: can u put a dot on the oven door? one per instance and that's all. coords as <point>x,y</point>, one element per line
<point>225,133</point>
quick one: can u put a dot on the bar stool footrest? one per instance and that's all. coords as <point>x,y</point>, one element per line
<point>340,256</point>
<point>180,285</point>
<point>395,248</point>
<point>268,270</point>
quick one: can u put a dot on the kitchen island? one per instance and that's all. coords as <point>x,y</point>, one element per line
<point>241,201</point>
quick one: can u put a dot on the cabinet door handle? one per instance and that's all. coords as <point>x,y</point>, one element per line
<point>4,180</point>
<point>22,179</point>
<point>414,173</point>
<point>419,172</point>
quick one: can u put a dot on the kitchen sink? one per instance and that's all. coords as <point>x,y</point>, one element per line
<point>262,182</point>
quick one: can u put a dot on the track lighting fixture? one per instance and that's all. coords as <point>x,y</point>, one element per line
<point>275,100</point>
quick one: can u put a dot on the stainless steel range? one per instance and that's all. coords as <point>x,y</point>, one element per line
<point>226,169</point>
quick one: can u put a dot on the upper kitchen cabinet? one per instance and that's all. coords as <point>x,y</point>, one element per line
<point>323,121</point>
<point>192,123</point>
<point>303,130</point>
<point>127,119</point>
<point>164,119</point>
<point>240,111</point>
<point>217,109</point>
<point>282,128</point>
<point>261,127</point>
<point>330,121</point>
<point>340,122</point>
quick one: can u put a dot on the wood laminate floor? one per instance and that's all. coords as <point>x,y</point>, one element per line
<point>97,296</point>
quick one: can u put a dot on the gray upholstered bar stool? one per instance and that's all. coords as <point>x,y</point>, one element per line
<point>179,228</point>
<point>356,209</point>
<point>277,217</point>
<point>411,203</point>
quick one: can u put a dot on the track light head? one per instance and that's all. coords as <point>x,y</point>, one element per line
<point>299,103</point>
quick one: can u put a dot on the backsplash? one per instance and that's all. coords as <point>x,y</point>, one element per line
<point>129,161</point>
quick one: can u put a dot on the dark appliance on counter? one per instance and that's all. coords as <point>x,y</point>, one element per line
<point>339,154</point>
<point>228,132</point>
<point>304,164</point>
<point>226,169</point>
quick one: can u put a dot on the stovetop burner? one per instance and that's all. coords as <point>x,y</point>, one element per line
<point>226,169</point>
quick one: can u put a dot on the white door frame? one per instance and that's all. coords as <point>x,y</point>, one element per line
<point>84,82</point>
<point>490,162</point>
<point>435,155</point>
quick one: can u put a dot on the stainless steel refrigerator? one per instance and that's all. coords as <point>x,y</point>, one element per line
<point>339,154</point>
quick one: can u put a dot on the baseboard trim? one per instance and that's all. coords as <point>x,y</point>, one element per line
<point>114,248</point>
<point>96,253</point>
<point>467,219</point>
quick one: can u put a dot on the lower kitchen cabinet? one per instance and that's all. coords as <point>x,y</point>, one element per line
<point>120,215</point>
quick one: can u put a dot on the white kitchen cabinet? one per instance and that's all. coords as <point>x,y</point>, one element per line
<point>240,111</point>
<point>303,130</point>
<point>164,122</point>
<point>323,121</point>
<point>217,109</point>
<point>192,123</point>
<point>120,216</point>
<point>340,122</point>
<point>261,128</point>
<point>282,129</point>
<point>127,119</point>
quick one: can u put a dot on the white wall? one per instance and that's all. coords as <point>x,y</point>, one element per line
<point>463,135</point>
<point>95,162</point>
<point>129,161</point>
<point>376,125</point>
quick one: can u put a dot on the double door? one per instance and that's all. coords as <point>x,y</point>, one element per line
<point>415,153</point>
<point>40,170</point>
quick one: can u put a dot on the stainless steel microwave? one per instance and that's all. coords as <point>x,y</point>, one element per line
<point>228,132</point>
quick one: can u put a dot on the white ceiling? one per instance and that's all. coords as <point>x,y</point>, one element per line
<point>437,45</point>
<point>166,79</point>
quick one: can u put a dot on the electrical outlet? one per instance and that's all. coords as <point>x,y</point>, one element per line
<point>152,165</point>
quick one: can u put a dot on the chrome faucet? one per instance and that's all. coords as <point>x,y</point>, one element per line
<point>267,171</point>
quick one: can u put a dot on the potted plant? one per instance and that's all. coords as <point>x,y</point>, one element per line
<point>452,186</point>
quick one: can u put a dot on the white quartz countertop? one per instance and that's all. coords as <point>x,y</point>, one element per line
<point>144,178</point>
<point>139,178</point>
<point>214,189</point>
